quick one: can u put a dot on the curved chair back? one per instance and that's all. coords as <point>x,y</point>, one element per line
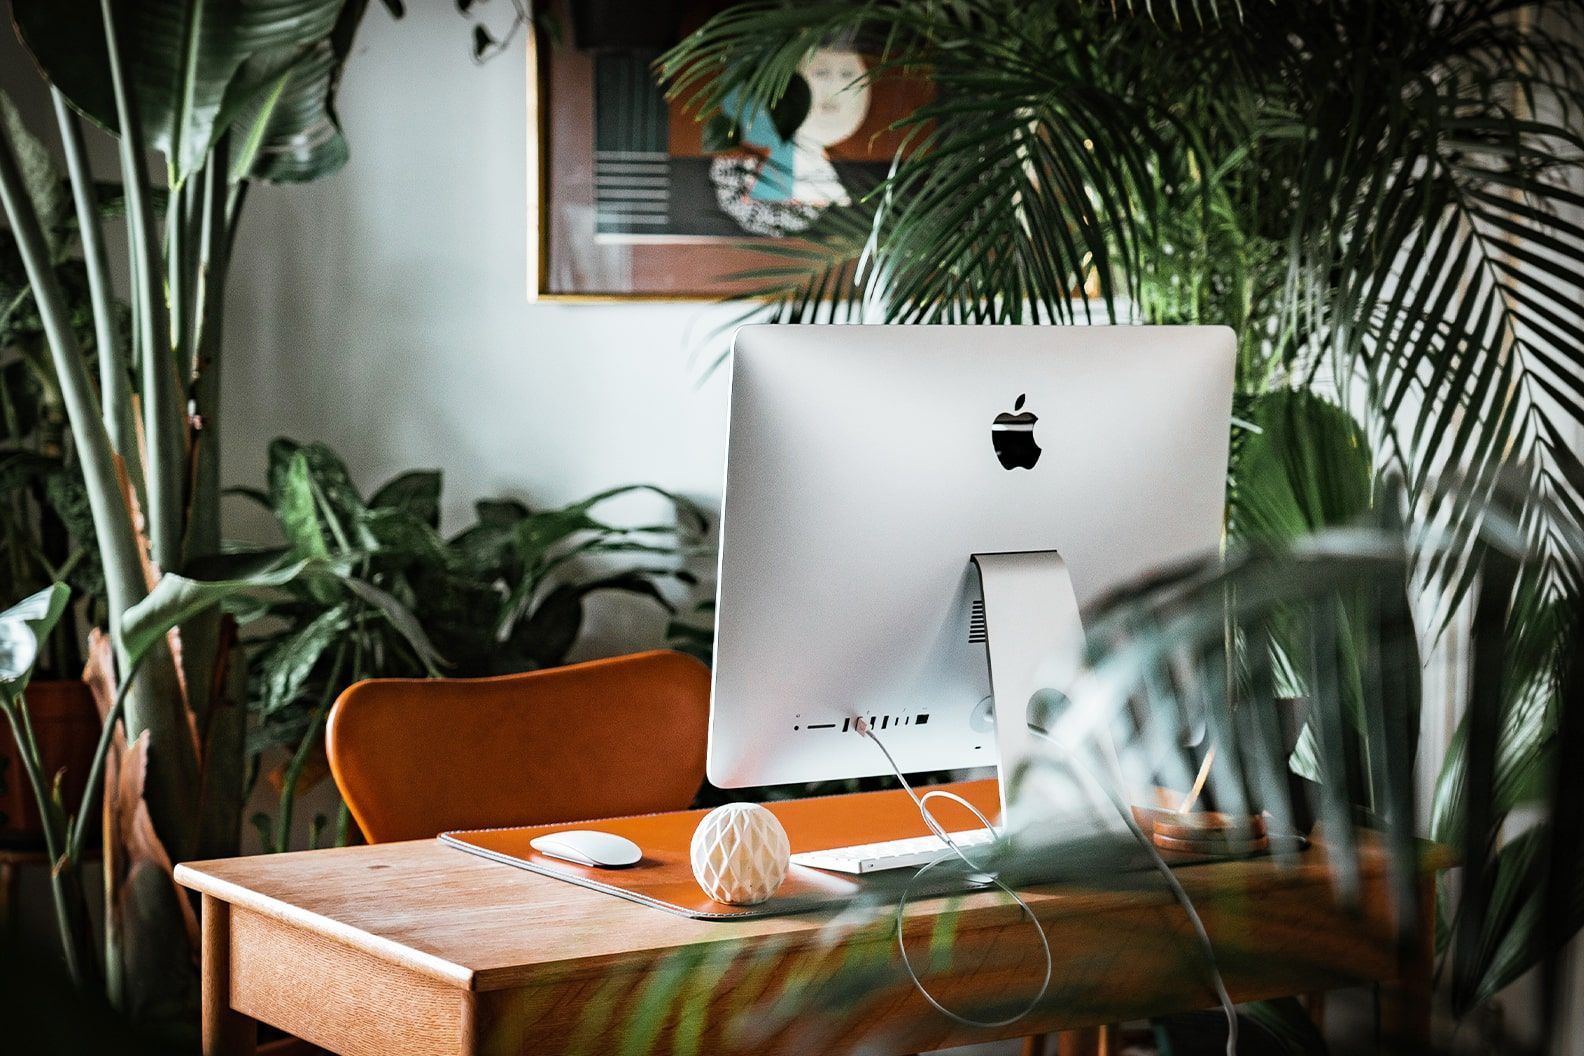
<point>416,757</point>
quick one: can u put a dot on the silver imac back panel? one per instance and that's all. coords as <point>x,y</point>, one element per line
<point>865,464</point>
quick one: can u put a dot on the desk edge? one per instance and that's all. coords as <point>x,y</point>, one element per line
<point>236,895</point>
<point>1432,859</point>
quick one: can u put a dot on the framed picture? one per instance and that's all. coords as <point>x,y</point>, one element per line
<point>633,198</point>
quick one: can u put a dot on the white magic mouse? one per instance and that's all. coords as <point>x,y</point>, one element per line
<point>603,850</point>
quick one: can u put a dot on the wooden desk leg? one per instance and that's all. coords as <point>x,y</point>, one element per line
<point>8,885</point>
<point>1404,1004</point>
<point>226,1032</point>
<point>1089,1041</point>
<point>1314,1005</point>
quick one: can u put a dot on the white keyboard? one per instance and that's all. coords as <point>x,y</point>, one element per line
<point>892,854</point>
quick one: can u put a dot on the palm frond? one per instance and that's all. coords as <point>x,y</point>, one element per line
<point>1386,200</point>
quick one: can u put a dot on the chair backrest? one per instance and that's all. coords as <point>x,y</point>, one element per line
<point>416,757</point>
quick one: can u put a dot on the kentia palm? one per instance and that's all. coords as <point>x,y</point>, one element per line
<point>1380,197</point>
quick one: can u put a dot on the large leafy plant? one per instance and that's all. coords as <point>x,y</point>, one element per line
<point>117,763</point>
<point>228,92</point>
<point>505,594</point>
<point>1380,197</point>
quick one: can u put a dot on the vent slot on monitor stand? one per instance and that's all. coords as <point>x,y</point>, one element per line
<point>977,632</point>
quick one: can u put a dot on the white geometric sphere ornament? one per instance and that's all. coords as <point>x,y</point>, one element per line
<point>740,854</point>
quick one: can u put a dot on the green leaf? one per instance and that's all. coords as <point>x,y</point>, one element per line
<point>22,628</point>
<point>176,598</point>
<point>255,111</point>
<point>500,513</point>
<point>548,634</point>
<point>416,491</point>
<point>536,534</point>
<point>1517,932</point>
<point>550,631</point>
<point>487,551</point>
<point>45,182</point>
<point>401,618</point>
<point>287,129</point>
<point>298,510</point>
<point>338,499</point>
<point>286,666</point>
<point>1307,467</point>
<point>189,60</point>
<point>401,538</point>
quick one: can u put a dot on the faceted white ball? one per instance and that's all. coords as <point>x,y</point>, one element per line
<point>740,854</point>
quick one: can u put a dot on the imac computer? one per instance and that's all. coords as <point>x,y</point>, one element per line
<point>901,499</point>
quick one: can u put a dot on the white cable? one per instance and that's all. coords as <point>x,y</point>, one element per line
<point>1171,881</point>
<point>922,802</point>
<point>939,830</point>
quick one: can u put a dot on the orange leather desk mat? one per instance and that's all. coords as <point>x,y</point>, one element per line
<point>664,877</point>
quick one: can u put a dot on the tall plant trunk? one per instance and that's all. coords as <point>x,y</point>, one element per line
<point>201,634</point>
<point>163,406</point>
<point>157,707</point>
<point>224,755</point>
<point>156,700</point>
<point>115,381</point>
<point>144,958</point>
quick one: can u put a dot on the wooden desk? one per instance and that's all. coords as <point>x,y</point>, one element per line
<point>417,948</point>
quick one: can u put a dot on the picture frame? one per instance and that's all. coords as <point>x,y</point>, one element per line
<point>631,199</point>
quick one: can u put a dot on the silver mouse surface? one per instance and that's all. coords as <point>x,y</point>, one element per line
<point>603,850</point>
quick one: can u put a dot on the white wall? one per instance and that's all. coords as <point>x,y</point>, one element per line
<point>384,311</point>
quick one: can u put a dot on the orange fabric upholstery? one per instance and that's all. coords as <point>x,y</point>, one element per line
<point>416,757</point>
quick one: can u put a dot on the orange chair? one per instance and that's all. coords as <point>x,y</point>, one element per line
<point>416,757</point>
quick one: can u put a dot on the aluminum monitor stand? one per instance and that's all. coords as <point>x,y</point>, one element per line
<point>1034,640</point>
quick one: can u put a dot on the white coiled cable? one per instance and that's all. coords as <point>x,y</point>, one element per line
<point>982,877</point>
<point>990,879</point>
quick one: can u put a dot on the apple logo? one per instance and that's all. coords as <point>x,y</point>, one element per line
<point>1013,438</point>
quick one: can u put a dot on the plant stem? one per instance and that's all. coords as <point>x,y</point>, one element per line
<point>27,750</point>
<point>78,837</point>
<point>157,705</point>
<point>214,264</point>
<point>124,584</point>
<point>115,386</point>
<point>299,758</point>
<point>343,824</point>
<point>164,417</point>
<point>179,252</point>
<point>201,634</point>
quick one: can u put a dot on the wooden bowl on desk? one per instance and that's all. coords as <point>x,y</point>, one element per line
<point>1204,832</point>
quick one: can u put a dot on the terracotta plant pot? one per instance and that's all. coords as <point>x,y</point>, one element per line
<point>66,724</point>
